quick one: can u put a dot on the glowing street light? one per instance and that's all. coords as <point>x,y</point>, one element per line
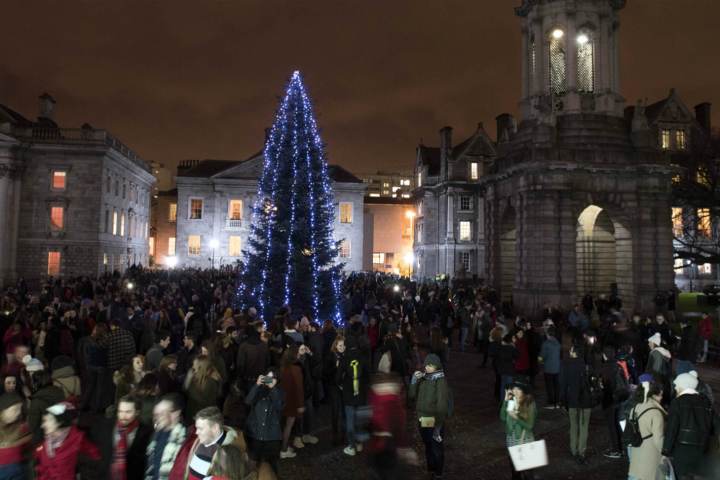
<point>130,286</point>
<point>582,39</point>
<point>557,34</point>
<point>409,258</point>
<point>213,244</point>
<point>409,214</point>
<point>171,262</point>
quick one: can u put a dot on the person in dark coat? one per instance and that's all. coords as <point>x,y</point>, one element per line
<point>688,349</point>
<point>504,357</point>
<point>353,376</point>
<point>125,434</point>
<point>576,399</point>
<point>44,395</point>
<point>264,435</point>
<point>253,357</point>
<point>688,429</point>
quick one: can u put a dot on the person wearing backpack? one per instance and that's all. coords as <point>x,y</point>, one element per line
<point>616,390</point>
<point>576,397</point>
<point>689,426</point>
<point>643,434</point>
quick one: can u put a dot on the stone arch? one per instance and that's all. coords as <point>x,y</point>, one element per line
<point>603,254</point>
<point>508,252</point>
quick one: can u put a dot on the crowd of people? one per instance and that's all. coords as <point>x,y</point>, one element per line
<point>156,375</point>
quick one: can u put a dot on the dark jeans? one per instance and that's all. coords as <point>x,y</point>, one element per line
<point>337,410</point>
<point>99,391</point>
<point>552,386</point>
<point>434,451</point>
<point>611,419</point>
<point>265,451</point>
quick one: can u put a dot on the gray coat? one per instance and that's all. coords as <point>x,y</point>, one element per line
<point>266,405</point>
<point>550,354</point>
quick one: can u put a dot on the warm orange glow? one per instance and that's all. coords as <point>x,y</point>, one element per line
<point>58,180</point>
<point>409,214</point>
<point>57,218</point>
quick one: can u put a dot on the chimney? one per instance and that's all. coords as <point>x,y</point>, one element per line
<point>445,150</point>
<point>702,115</point>
<point>185,166</point>
<point>506,127</point>
<point>47,106</point>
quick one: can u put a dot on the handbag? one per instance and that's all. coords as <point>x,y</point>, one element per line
<point>666,470</point>
<point>527,456</point>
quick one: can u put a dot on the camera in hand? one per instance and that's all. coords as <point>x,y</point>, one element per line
<point>266,380</point>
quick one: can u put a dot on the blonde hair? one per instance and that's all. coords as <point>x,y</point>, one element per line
<point>203,370</point>
<point>338,339</point>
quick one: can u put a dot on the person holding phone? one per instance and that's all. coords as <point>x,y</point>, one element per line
<point>518,413</point>
<point>266,401</point>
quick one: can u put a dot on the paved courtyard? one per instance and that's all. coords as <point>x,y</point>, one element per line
<point>475,438</point>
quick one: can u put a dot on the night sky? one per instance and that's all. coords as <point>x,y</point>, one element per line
<point>201,79</point>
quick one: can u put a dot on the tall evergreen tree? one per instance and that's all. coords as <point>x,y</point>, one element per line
<point>291,254</point>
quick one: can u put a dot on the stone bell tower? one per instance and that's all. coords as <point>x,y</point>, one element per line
<point>576,203</point>
<point>570,57</point>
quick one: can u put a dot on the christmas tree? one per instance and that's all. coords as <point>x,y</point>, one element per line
<point>291,254</point>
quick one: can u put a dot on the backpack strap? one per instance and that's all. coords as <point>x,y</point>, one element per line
<point>637,419</point>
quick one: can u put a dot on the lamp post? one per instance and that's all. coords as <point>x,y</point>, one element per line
<point>213,244</point>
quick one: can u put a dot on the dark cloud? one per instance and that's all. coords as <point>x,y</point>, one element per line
<point>194,79</point>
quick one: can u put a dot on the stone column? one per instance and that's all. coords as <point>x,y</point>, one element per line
<point>9,212</point>
<point>525,65</point>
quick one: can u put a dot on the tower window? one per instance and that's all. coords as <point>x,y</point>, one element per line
<point>680,140</point>
<point>558,73</point>
<point>665,139</point>
<point>585,63</point>
<point>473,171</point>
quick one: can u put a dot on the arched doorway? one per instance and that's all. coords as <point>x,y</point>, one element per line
<point>603,255</point>
<point>508,253</point>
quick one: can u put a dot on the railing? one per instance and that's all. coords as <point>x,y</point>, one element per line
<point>78,136</point>
<point>233,224</point>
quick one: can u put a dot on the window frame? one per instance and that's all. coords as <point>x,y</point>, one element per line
<point>53,226</point>
<point>191,249</point>
<point>468,237</point>
<point>474,171</point>
<point>348,217</point>
<point>345,249</point>
<point>467,198</point>
<point>172,242</point>
<point>54,272</point>
<point>64,176</point>
<point>232,238</point>
<point>190,207</point>
<point>172,212</point>
<point>231,202</point>
<point>379,255</point>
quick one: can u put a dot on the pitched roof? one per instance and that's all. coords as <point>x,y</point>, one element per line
<point>430,156</point>
<point>340,175</point>
<point>654,110</point>
<point>14,117</point>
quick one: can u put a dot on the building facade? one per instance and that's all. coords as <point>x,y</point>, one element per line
<point>574,198</point>
<point>388,184</point>
<point>76,200</point>
<point>213,210</point>
<point>388,237</point>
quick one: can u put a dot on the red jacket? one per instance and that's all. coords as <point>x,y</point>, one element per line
<point>706,327</point>
<point>388,418</point>
<point>63,465</point>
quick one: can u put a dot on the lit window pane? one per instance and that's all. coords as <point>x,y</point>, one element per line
<point>57,218</point>
<point>585,71</point>
<point>58,180</point>
<point>196,205</point>
<point>234,248</point>
<point>194,245</point>
<point>665,139</point>
<point>345,249</point>
<point>235,210</point>
<point>171,246</point>
<point>465,232</point>
<point>172,213</point>
<point>680,140</point>
<point>115,222</point>
<point>53,264</point>
<point>704,222</point>
<point>122,224</point>
<point>151,245</point>
<point>677,221</point>
<point>473,171</point>
<point>378,258</point>
<point>346,212</point>
<point>558,76</point>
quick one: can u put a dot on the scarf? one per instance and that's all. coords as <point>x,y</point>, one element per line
<point>118,469</point>
<point>54,440</point>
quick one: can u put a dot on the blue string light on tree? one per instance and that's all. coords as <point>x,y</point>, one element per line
<point>290,258</point>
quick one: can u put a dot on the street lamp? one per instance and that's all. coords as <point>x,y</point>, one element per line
<point>170,263</point>
<point>213,244</point>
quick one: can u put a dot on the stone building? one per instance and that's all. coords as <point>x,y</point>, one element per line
<point>213,209</point>
<point>388,236</point>
<point>76,200</point>
<point>573,198</point>
<point>382,184</point>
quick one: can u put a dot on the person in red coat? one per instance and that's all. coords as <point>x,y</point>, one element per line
<point>522,363</point>
<point>705,329</point>
<point>64,445</point>
<point>387,424</point>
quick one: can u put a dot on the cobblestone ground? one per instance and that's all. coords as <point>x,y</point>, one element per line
<point>475,438</point>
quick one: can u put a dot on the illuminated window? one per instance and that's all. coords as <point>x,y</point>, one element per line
<point>53,264</point>
<point>557,73</point>
<point>665,139</point>
<point>196,207</point>
<point>375,195</point>
<point>171,246</point>
<point>58,180</point>
<point>122,224</point>
<point>346,212</point>
<point>465,260</point>
<point>705,269</point>
<point>676,179</point>
<point>677,221</point>
<point>57,218</point>
<point>234,248</point>
<point>172,212</point>
<point>115,222</point>
<point>405,195</point>
<point>703,177</point>
<point>465,231</point>
<point>378,259</point>
<point>395,189</point>
<point>679,263</point>
<point>418,236</point>
<point>194,245</point>
<point>235,210</point>
<point>473,171</point>
<point>345,249</point>
<point>680,140</point>
<point>465,203</point>
<point>704,222</point>
<point>151,245</point>
<point>419,179</point>
<point>386,184</point>
<point>105,258</point>
<point>585,64</point>
<point>405,182</point>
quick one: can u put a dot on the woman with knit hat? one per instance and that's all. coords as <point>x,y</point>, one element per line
<point>430,389</point>
<point>645,459</point>
<point>14,437</point>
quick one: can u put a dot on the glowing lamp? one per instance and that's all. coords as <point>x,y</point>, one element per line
<point>396,288</point>
<point>214,243</point>
<point>130,286</point>
<point>582,39</point>
<point>557,34</point>
<point>171,262</point>
<point>409,214</point>
<point>409,258</point>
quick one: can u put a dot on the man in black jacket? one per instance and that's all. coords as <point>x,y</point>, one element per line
<point>574,396</point>
<point>253,358</point>
<point>123,442</point>
<point>688,429</point>
<point>688,349</point>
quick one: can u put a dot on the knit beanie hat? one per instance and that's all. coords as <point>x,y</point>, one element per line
<point>685,381</point>
<point>656,339</point>
<point>433,360</point>
<point>9,399</point>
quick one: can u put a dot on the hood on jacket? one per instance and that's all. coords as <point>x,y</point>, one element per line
<point>63,372</point>
<point>663,351</point>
